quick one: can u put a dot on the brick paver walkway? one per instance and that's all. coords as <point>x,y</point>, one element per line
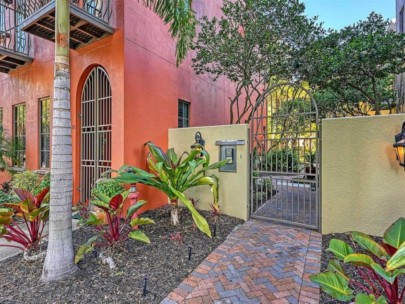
<point>259,263</point>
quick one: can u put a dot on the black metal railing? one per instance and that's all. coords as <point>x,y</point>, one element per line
<point>12,38</point>
<point>100,9</point>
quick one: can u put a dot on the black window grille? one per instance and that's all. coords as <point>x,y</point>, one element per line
<point>19,134</point>
<point>183,114</point>
<point>44,129</point>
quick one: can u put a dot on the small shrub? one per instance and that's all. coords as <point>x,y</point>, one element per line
<point>7,198</point>
<point>108,188</point>
<point>117,230</point>
<point>34,210</point>
<point>284,160</point>
<point>26,180</point>
<point>379,269</point>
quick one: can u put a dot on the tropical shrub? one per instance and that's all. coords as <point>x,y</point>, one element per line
<point>283,160</point>
<point>108,188</point>
<point>118,229</point>
<point>26,180</point>
<point>7,198</point>
<point>379,270</point>
<point>173,174</point>
<point>10,151</point>
<point>263,189</point>
<point>34,211</point>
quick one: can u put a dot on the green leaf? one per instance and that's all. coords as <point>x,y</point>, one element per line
<point>131,210</point>
<point>3,230</point>
<point>93,220</point>
<point>334,285</point>
<point>398,259</point>
<point>199,220</point>
<point>33,215</point>
<point>85,248</point>
<point>366,242</point>
<point>103,198</point>
<point>395,234</point>
<point>102,205</point>
<point>387,275</point>
<point>359,259</point>
<point>336,266</point>
<point>339,248</point>
<point>172,155</point>
<point>363,298</point>
<point>5,220</point>
<point>142,221</point>
<point>217,165</point>
<point>139,236</point>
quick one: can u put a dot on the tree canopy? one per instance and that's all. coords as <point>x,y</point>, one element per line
<point>254,43</point>
<point>352,69</point>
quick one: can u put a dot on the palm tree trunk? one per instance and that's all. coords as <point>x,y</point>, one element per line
<point>174,211</point>
<point>59,257</point>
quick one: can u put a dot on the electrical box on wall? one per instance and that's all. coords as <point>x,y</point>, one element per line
<point>228,150</point>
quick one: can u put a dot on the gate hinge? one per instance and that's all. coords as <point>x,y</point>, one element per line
<point>79,115</point>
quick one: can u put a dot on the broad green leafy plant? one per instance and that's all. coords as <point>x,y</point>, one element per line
<point>34,211</point>
<point>26,180</point>
<point>109,188</point>
<point>380,269</point>
<point>118,229</point>
<point>173,174</point>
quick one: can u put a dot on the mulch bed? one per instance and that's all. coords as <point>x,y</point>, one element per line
<point>164,262</point>
<point>350,270</point>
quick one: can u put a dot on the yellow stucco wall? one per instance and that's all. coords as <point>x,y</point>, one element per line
<point>363,186</point>
<point>233,190</point>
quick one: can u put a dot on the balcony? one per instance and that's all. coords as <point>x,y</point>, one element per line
<point>14,43</point>
<point>89,20</point>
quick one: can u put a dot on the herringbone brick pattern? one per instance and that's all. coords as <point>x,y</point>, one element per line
<point>259,263</point>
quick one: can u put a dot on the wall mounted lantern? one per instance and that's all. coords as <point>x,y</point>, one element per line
<point>199,141</point>
<point>400,146</point>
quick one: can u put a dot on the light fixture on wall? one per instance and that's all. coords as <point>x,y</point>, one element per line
<point>400,146</point>
<point>199,141</point>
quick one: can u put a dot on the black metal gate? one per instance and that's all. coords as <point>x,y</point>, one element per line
<point>95,130</point>
<point>285,157</point>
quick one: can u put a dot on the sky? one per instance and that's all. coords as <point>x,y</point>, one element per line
<point>337,14</point>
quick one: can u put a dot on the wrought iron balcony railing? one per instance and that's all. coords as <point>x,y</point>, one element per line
<point>101,9</point>
<point>89,20</point>
<point>14,42</point>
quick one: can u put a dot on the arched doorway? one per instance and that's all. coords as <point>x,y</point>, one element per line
<point>285,157</point>
<point>95,138</point>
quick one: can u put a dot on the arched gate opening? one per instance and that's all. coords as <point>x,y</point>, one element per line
<point>285,157</point>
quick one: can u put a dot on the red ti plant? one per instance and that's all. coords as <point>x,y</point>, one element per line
<point>379,269</point>
<point>112,228</point>
<point>34,211</point>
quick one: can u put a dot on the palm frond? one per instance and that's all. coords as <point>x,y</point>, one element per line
<point>181,17</point>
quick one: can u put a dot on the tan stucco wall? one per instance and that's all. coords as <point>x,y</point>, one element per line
<point>233,190</point>
<point>363,186</point>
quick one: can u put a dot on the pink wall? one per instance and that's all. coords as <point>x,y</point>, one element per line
<point>146,85</point>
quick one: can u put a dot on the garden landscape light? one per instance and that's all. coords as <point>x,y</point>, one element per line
<point>400,146</point>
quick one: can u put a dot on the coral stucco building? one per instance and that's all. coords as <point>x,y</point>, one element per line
<point>125,86</point>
